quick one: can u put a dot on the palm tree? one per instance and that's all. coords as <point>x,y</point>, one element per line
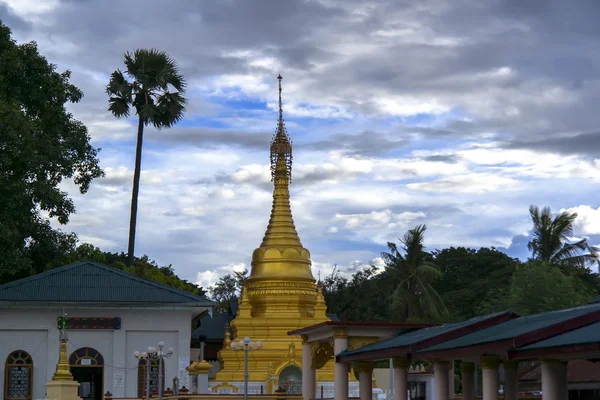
<point>149,91</point>
<point>551,240</point>
<point>414,299</point>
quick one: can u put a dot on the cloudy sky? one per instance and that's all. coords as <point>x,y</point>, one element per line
<point>458,114</point>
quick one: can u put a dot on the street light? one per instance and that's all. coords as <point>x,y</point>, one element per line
<point>154,354</point>
<point>246,346</point>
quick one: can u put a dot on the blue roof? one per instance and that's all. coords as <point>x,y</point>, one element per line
<point>92,282</point>
<point>420,335</point>
<point>514,328</point>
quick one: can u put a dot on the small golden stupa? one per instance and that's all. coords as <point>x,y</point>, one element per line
<point>280,294</point>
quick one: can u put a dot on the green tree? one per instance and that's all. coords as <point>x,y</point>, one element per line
<point>468,275</point>
<point>538,287</point>
<point>143,267</point>
<point>40,146</point>
<point>341,295</point>
<point>414,298</point>
<point>148,89</point>
<point>227,289</point>
<point>551,239</point>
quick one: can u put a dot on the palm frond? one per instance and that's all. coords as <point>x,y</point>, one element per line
<point>428,272</point>
<point>169,108</point>
<point>118,106</point>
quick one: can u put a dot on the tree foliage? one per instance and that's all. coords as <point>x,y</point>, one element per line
<point>227,289</point>
<point>41,144</point>
<point>143,267</point>
<point>468,275</point>
<point>551,241</point>
<point>147,87</point>
<point>537,287</point>
<point>414,298</point>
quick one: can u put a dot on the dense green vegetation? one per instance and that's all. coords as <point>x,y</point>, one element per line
<point>41,144</point>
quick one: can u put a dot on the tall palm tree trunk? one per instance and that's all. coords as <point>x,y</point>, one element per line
<point>136,190</point>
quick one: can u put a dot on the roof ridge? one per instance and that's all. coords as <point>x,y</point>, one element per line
<point>104,267</point>
<point>52,271</point>
<point>146,281</point>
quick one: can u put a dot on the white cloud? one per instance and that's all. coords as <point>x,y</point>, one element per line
<point>379,219</point>
<point>588,220</point>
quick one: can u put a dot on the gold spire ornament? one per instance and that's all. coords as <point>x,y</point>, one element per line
<point>281,147</point>
<point>280,294</point>
<point>63,369</point>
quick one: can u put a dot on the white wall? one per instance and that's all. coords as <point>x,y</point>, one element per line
<point>35,331</point>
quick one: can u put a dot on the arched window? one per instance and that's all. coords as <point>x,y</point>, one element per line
<point>86,353</point>
<point>153,377</point>
<point>18,373</point>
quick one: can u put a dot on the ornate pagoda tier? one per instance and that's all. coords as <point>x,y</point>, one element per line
<point>280,294</point>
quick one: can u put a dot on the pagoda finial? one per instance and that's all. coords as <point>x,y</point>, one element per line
<point>63,370</point>
<point>281,149</point>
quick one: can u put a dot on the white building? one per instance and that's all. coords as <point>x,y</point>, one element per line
<point>110,315</point>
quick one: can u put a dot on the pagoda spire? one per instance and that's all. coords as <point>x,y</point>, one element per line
<point>281,229</point>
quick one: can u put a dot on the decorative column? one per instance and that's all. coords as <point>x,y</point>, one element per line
<point>489,376</point>
<point>340,370</point>
<point>467,370</point>
<point>202,370</point>
<point>309,379</point>
<point>511,380</point>
<point>451,380</point>
<point>365,379</point>
<point>554,380</point>
<point>191,369</point>
<point>400,378</point>
<point>440,376</point>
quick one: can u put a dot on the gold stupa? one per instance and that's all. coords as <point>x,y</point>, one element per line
<point>280,294</point>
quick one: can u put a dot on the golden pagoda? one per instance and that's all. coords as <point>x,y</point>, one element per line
<point>280,294</point>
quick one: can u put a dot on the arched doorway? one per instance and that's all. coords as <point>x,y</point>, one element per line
<point>18,374</point>
<point>290,379</point>
<point>87,367</point>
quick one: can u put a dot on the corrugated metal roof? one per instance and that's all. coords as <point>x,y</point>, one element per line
<point>91,282</point>
<point>213,328</point>
<point>419,335</point>
<point>514,328</point>
<point>587,334</point>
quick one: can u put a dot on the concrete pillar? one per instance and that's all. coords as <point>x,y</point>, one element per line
<point>309,384</point>
<point>451,380</point>
<point>119,363</point>
<point>440,376</point>
<point>340,370</point>
<point>365,380</point>
<point>467,370</point>
<point>554,380</point>
<point>400,378</point>
<point>511,380</point>
<point>202,369</point>
<point>489,376</point>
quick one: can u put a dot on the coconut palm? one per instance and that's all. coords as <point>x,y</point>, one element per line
<point>414,299</point>
<point>551,239</point>
<point>153,87</point>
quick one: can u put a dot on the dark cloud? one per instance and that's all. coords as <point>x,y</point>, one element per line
<point>446,158</point>
<point>8,18</point>
<point>365,143</point>
<point>581,144</point>
<point>211,138</point>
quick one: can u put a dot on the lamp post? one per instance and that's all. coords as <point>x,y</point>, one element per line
<point>154,354</point>
<point>246,346</point>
